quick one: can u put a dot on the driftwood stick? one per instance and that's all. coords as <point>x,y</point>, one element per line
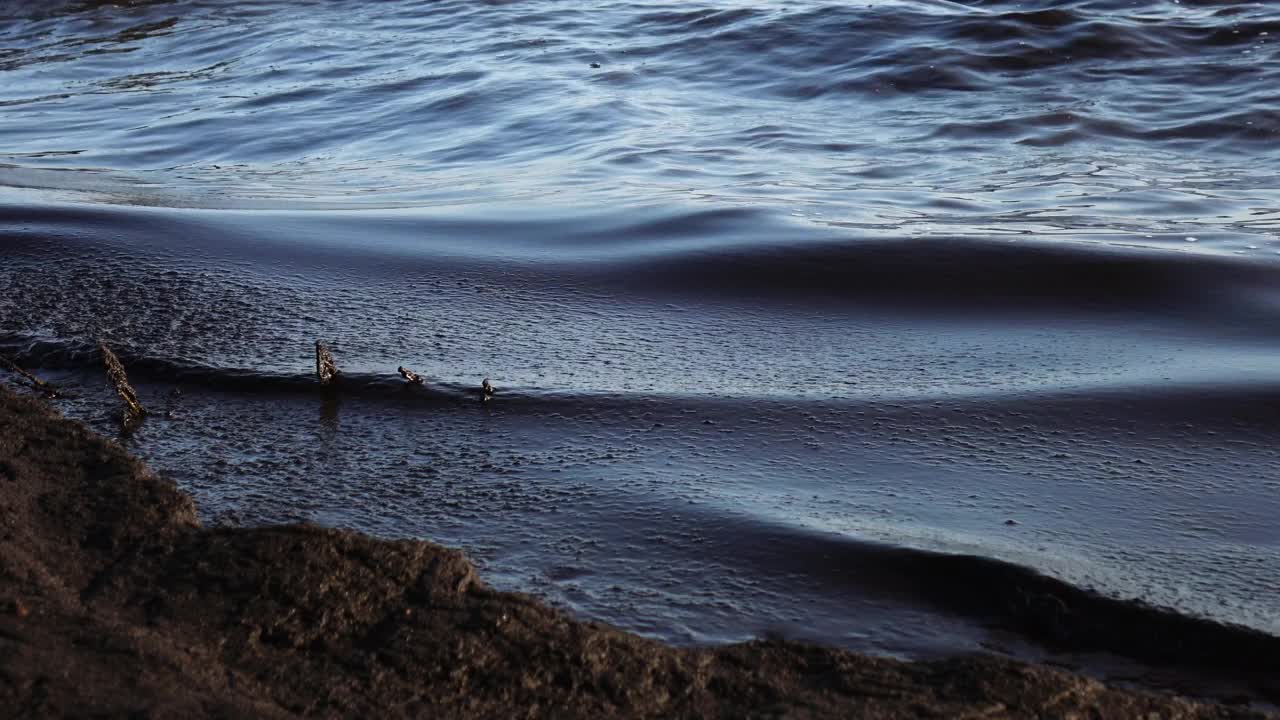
<point>36,382</point>
<point>409,375</point>
<point>326,368</point>
<point>133,409</point>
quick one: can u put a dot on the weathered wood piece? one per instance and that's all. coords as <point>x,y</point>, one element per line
<point>326,368</point>
<point>409,375</point>
<point>133,409</point>
<point>36,382</point>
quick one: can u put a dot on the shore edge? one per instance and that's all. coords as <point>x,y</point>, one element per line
<point>115,602</point>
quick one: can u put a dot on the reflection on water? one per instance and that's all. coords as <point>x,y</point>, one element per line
<point>329,405</point>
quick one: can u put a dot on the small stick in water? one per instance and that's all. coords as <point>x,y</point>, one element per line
<point>487,390</point>
<point>409,375</point>
<point>36,382</point>
<point>133,409</point>
<point>326,369</point>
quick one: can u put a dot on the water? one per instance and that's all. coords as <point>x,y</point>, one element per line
<point>775,294</point>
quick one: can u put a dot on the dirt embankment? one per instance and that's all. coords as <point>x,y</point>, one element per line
<point>114,602</point>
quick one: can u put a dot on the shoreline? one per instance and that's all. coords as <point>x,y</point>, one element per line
<point>114,600</point>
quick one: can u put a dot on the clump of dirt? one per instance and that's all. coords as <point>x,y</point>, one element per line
<point>114,602</point>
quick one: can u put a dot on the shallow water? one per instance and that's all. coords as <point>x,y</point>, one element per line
<point>776,296</point>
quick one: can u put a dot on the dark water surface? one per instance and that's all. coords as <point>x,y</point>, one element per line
<point>776,296</point>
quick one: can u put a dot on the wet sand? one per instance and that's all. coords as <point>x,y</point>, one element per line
<point>115,602</point>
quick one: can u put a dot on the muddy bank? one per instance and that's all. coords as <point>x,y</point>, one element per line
<point>114,602</point>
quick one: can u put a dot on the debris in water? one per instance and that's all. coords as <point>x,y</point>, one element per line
<point>133,409</point>
<point>326,368</point>
<point>409,375</point>
<point>36,382</point>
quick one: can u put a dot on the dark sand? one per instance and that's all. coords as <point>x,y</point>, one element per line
<point>114,602</point>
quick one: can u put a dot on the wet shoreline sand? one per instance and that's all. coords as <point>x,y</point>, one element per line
<point>115,601</point>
